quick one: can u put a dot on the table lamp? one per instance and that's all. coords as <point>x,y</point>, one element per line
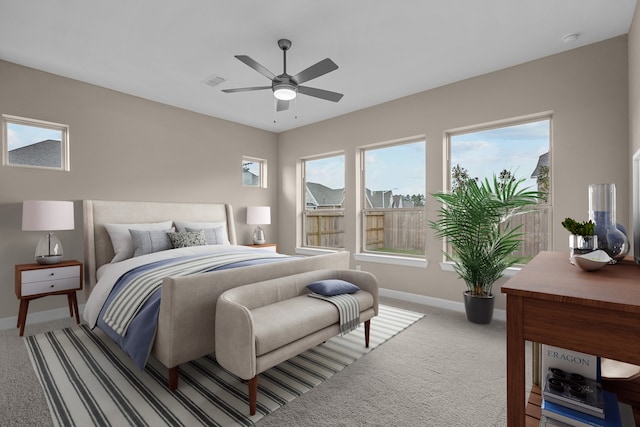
<point>258,215</point>
<point>47,215</point>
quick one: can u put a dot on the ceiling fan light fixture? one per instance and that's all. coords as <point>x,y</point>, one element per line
<point>285,92</point>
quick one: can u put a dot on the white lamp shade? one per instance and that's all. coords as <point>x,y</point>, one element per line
<point>258,215</point>
<point>47,215</point>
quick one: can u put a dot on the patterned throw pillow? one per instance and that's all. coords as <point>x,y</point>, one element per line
<point>213,236</point>
<point>187,238</point>
<point>220,229</point>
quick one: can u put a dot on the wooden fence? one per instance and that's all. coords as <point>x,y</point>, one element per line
<point>404,230</point>
<point>324,228</point>
<point>396,230</point>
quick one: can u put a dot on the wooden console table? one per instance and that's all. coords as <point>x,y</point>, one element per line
<point>553,302</point>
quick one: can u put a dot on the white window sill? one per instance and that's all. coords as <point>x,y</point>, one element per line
<point>380,259</point>
<point>448,266</point>
<point>391,259</point>
<point>315,251</point>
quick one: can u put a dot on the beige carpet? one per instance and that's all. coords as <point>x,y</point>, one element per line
<point>440,371</point>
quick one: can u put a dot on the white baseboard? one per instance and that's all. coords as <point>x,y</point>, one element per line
<point>434,302</point>
<point>59,313</point>
<point>39,317</point>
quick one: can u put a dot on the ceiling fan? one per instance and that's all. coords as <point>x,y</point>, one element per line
<point>286,87</point>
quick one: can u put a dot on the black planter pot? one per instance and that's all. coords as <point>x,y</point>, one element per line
<point>479,309</point>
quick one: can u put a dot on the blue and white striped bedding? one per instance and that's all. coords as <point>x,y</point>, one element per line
<point>135,334</point>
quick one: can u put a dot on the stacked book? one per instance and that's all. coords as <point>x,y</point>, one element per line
<point>572,393</point>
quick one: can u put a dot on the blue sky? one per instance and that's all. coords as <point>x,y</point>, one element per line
<point>328,171</point>
<point>21,135</point>
<point>401,168</point>
<point>514,148</point>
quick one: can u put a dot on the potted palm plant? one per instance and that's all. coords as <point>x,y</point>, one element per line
<point>475,219</point>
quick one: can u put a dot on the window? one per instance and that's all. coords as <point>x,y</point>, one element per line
<point>323,210</point>
<point>520,149</point>
<point>394,216</point>
<point>34,143</point>
<point>254,172</point>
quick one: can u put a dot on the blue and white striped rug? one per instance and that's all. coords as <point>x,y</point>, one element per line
<point>89,381</point>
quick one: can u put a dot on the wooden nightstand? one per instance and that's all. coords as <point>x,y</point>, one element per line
<point>269,246</point>
<point>38,280</point>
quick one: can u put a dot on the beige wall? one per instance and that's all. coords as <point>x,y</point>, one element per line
<point>585,89</point>
<point>122,148</point>
<point>127,148</point>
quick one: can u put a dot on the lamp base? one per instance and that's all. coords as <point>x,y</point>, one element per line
<point>258,236</point>
<point>49,249</point>
<point>49,259</point>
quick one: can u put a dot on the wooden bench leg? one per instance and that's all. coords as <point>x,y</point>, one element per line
<point>367,329</point>
<point>253,394</point>
<point>173,378</point>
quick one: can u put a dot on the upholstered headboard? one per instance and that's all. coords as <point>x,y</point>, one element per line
<point>97,244</point>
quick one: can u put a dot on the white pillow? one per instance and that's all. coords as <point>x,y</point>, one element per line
<point>121,238</point>
<point>221,235</point>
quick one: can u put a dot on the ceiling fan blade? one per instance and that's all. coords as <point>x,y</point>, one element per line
<point>320,93</point>
<point>256,66</point>
<point>246,89</point>
<point>316,70</point>
<point>282,105</point>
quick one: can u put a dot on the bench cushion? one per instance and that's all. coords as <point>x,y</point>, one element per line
<point>279,324</point>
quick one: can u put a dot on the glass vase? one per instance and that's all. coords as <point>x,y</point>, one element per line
<point>602,211</point>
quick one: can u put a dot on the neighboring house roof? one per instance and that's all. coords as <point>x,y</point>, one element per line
<point>250,178</point>
<point>400,202</point>
<point>320,195</point>
<point>383,199</point>
<point>46,153</point>
<point>543,161</point>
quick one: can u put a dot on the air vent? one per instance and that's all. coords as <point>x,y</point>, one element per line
<point>214,80</point>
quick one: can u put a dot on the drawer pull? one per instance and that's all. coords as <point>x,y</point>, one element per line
<point>52,286</point>
<point>52,274</point>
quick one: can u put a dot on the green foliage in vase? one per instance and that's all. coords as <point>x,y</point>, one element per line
<point>584,228</point>
<point>475,220</point>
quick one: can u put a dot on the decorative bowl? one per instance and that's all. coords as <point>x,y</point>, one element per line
<point>593,260</point>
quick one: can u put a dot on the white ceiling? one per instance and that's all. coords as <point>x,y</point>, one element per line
<point>163,50</point>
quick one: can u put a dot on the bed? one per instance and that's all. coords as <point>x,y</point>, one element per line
<point>186,314</point>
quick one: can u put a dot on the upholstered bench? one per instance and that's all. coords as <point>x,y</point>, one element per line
<point>263,324</point>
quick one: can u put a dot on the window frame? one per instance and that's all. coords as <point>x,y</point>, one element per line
<point>510,122</point>
<point>304,210</point>
<point>24,121</point>
<point>383,256</point>
<point>262,170</point>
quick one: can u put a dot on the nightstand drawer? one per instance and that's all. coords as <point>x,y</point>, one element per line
<point>50,285</point>
<point>33,281</point>
<point>48,274</point>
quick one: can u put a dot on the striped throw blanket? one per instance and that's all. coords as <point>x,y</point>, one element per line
<point>348,308</point>
<point>132,297</point>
